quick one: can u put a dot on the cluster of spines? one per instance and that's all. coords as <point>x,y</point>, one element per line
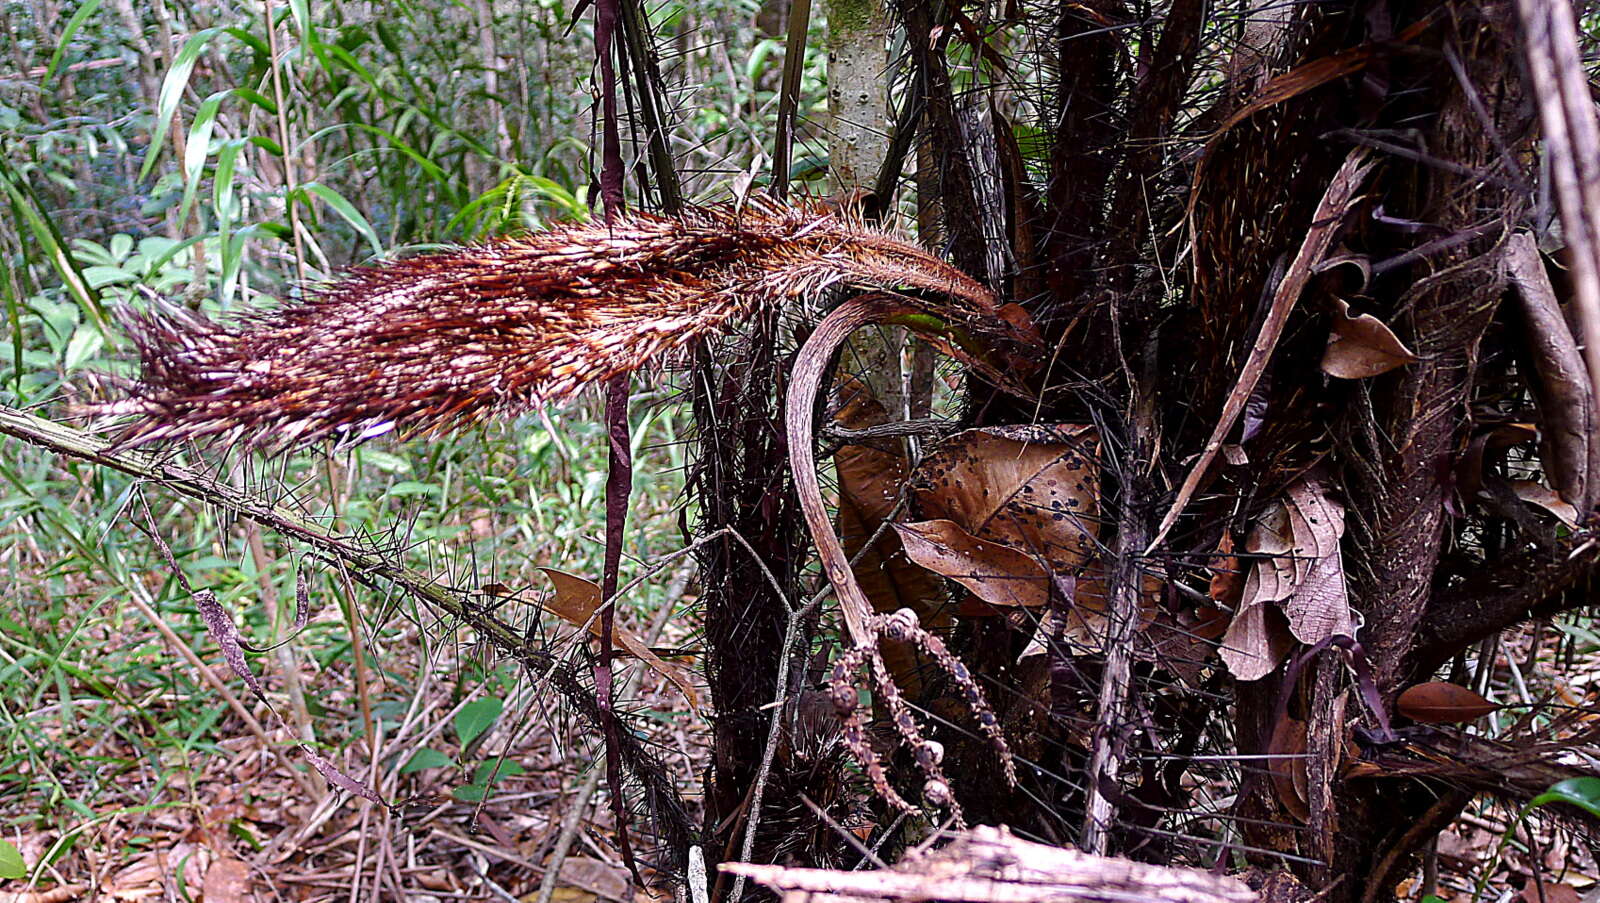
<point>446,339</point>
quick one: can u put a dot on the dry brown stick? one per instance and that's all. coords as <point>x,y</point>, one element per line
<point>1336,202</point>
<point>1127,594</point>
<point>1572,147</point>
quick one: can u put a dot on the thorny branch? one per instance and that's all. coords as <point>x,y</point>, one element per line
<point>369,568</point>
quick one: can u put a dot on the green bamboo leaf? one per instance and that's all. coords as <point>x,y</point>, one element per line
<point>431,169</point>
<point>266,144</point>
<point>73,24</point>
<point>161,259</point>
<point>26,207</point>
<point>196,149</point>
<point>172,92</point>
<point>345,209</point>
<point>250,40</point>
<point>8,284</point>
<point>222,195</point>
<point>257,98</point>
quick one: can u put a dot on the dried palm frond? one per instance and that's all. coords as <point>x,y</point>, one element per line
<point>446,339</point>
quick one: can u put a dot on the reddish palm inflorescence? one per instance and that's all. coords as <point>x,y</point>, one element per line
<point>447,339</point>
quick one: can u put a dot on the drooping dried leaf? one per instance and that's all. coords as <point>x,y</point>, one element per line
<point>444,340</point>
<point>995,573</point>
<point>1362,346</point>
<point>1298,568</point>
<point>1271,575</point>
<point>1319,606</point>
<point>1562,389</point>
<point>1287,766</point>
<point>576,600</point>
<point>1035,489</point>
<point>1544,497</point>
<point>1257,641</point>
<point>1442,702</point>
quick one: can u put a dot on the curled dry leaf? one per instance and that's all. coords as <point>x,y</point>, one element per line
<point>227,881</point>
<point>1544,497</point>
<point>1362,346</point>
<point>577,599</point>
<point>1035,489</point>
<point>997,574</point>
<point>1441,702</point>
<point>1298,568</point>
<point>1319,606</point>
<point>1256,641</point>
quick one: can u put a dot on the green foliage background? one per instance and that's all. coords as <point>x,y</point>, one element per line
<point>182,149</point>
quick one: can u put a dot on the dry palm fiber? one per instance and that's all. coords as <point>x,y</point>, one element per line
<point>446,339</point>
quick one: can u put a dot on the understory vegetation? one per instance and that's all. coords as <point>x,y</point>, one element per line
<point>1233,507</point>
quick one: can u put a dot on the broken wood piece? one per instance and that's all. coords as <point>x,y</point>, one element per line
<point>989,865</point>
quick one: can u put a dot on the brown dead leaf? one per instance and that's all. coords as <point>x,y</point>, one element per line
<point>1552,893</point>
<point>995,573</point>
<point>1362,346</point>
<point>1319,605</point>
<point>1035,489</point>
<point>1287,766</point>
<point>60,894</point>
<point>227,881</point>
<point>871,477</point>
<point>1227,574</point>
<point>1256,642</point>
<point>1270,577</point>
<point>575,602</point>
<point>1441,702</point>
<point>1544,497</point>
<point>1298,568</point>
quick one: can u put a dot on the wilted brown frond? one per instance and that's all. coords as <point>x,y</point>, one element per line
<point>447,339</point>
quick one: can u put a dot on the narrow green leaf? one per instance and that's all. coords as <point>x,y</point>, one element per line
<point>14,318</point>
<point>497,769</point>
<point>257,98</point>
<point>172,92</point>
<point>470,793</point>
<point>267,144</point>
<point>346,210</point>
<point>27,208</point>
<point>476,717</point>
<point>73,24</point>
<point>249,39</point>
<point>85,344</point>
<point>196,149</point>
